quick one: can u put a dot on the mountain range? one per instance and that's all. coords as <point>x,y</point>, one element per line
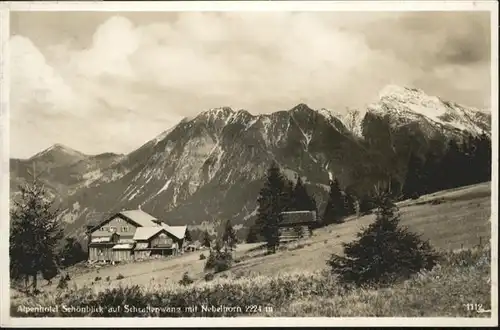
<point>210,168</point>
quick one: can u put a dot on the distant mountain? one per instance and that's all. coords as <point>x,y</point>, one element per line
<point>210,168</point>
<point>60,168</point>
<point>57,155</point>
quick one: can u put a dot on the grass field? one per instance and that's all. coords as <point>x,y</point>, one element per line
<point>451,220</point>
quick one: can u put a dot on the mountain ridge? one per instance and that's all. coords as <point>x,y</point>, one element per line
<point>210,167</point>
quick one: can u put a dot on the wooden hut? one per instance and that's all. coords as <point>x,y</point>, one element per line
<point>296,224</point>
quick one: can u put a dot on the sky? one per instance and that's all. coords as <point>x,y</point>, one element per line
<point>109,82</point>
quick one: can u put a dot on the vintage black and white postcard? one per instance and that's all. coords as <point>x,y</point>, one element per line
<point>257,163</point>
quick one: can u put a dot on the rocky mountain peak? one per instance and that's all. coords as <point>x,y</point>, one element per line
<point>406,105</point>
<point>301,107</point>
<point>221,112</point>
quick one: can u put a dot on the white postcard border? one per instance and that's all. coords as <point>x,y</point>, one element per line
<point>6,7</point>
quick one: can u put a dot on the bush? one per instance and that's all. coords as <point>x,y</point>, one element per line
<point>209,276</point>
<point>186,280</point>
<point>67,278</point>
<point>97,278</point>
<point>384,252</point>
<point>108,278</point>
<point>63,283</point>
<point>219,261</point>
<point>202,257</point>
<point>120,276</point>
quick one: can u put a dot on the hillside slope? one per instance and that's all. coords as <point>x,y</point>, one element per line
<point>454,219</point>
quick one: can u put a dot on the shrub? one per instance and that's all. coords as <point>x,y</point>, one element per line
<point>67,278</point>
<point>209,276</point>
<point>384,251</point>
<point>108,278</point>
<point>97,278</point>
<point>120,276</point>
<point>186,280</point>
<point>63,283</point>
<point>202,257</point>
<point>218,261</point>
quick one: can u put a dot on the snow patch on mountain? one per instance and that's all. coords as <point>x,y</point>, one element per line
<point>164,188</point>
<point>266,129</point>
<point>214,167</point>
<point>91,177</point>
<point>132,196</point>
<point>411,104</point>
<point>251,123</point>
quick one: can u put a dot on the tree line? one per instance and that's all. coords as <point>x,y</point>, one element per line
<point>280,194</point>
<point>464,163</point>
<point>461,164</point>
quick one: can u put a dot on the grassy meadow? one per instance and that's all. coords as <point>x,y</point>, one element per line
<point>294,281</point>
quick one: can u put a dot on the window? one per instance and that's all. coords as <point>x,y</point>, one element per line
<point>112,229</point>
<point>124,228</point>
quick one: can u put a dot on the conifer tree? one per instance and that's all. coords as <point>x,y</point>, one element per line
<point>365,204</point>
<point>34,234</point>
<point>450,170</point>
<point>412,186</point>
<point>301,198</point>
<point>289,191</point>
<point>469,174</point>
<point>335,208</point>
<point>430,173</point>
<point>272,200</point>
<point>253,234</point>
<point>206,239</point>
<point>349,203</point>
<point>187,236</point>
<point>384,251</point>
<point>483,158</point>
<point>229,236</point>
<point>72,252</point>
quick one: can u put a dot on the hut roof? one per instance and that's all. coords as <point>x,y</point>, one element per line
<point>177,231</point>
<point>140,217</point>
<point>145,233</point>
<point>298,217</point>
